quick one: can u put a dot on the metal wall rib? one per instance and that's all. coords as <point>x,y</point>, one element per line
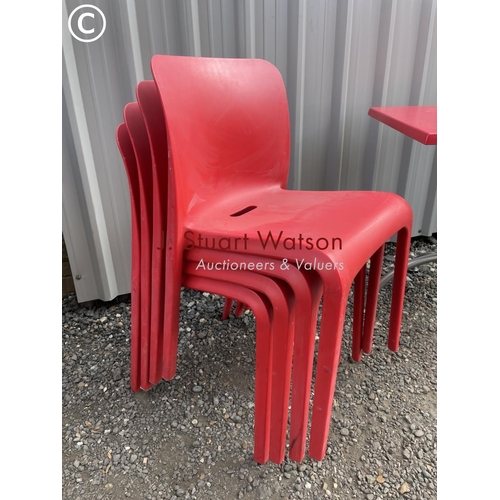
<point>337,58</point>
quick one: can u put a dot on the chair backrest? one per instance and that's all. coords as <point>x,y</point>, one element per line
<point>154,121</point>
<point>127,152</point>
<point>140,142</point>
<point>227,124</point>
<point>152,113</point>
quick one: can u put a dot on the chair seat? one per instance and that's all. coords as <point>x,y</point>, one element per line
<point>300,224</point>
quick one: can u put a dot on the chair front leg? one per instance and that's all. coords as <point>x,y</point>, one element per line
<point>358,313</point>
<point>398,286</point>
<point>330,343</point>
<point>372,299</point>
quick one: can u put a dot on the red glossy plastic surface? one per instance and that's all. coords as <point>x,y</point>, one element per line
<point>417,122</point>
<point>284,313</point>
<point>305,344</point>
<point>306,325</point>
<point>137,131</point>
<point>261,306</point>
<point>228,139</point>
<point>358,313</point>
<point>371,299</point>
<point>128,156</point>
<point>151,113</point>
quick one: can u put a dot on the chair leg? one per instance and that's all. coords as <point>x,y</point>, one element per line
<point>358,313</point>
<point>240,309</point>
<point>372,299</point>
<point>263,388</point>
<point>173,280</point>
<point>228,304</point>
<point>157,303</point>
<point>330,342</point>
<point>145,328</point>
<point>282,354</point>
<point>135,339</point>
<point>265,329</point>
<point>303,361</point>
<point>398,286</point>
<point>135,319</point>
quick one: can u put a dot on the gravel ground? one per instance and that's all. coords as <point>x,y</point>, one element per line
<point>192,437</point>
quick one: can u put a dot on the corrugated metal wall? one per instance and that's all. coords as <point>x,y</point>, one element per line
<point>337,58</point>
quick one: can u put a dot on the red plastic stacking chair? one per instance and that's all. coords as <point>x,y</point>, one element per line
<point>300,396</point>
<point>282,362</point>
<point>154,119</point>
<point>228,140</point>
<point>293,441</point>
<point>263,310</point>
<point>155,124</point>
<point>284,314</point>
<point>148,103</point>
<point>128,155</point>
<point>137,130</point>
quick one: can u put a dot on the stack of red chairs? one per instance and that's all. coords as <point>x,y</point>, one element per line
<point>206,148</point>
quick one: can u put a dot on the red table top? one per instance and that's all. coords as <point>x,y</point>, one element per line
<point>417,122</point>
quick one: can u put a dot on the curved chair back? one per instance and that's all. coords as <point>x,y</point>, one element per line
<point>227,125</point>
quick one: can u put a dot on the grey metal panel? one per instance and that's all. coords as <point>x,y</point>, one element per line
<point>92,98</point>
<point>73,224</point>
<point>337,58</point>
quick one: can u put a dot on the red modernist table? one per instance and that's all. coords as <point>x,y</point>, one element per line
<point>419,123</point>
